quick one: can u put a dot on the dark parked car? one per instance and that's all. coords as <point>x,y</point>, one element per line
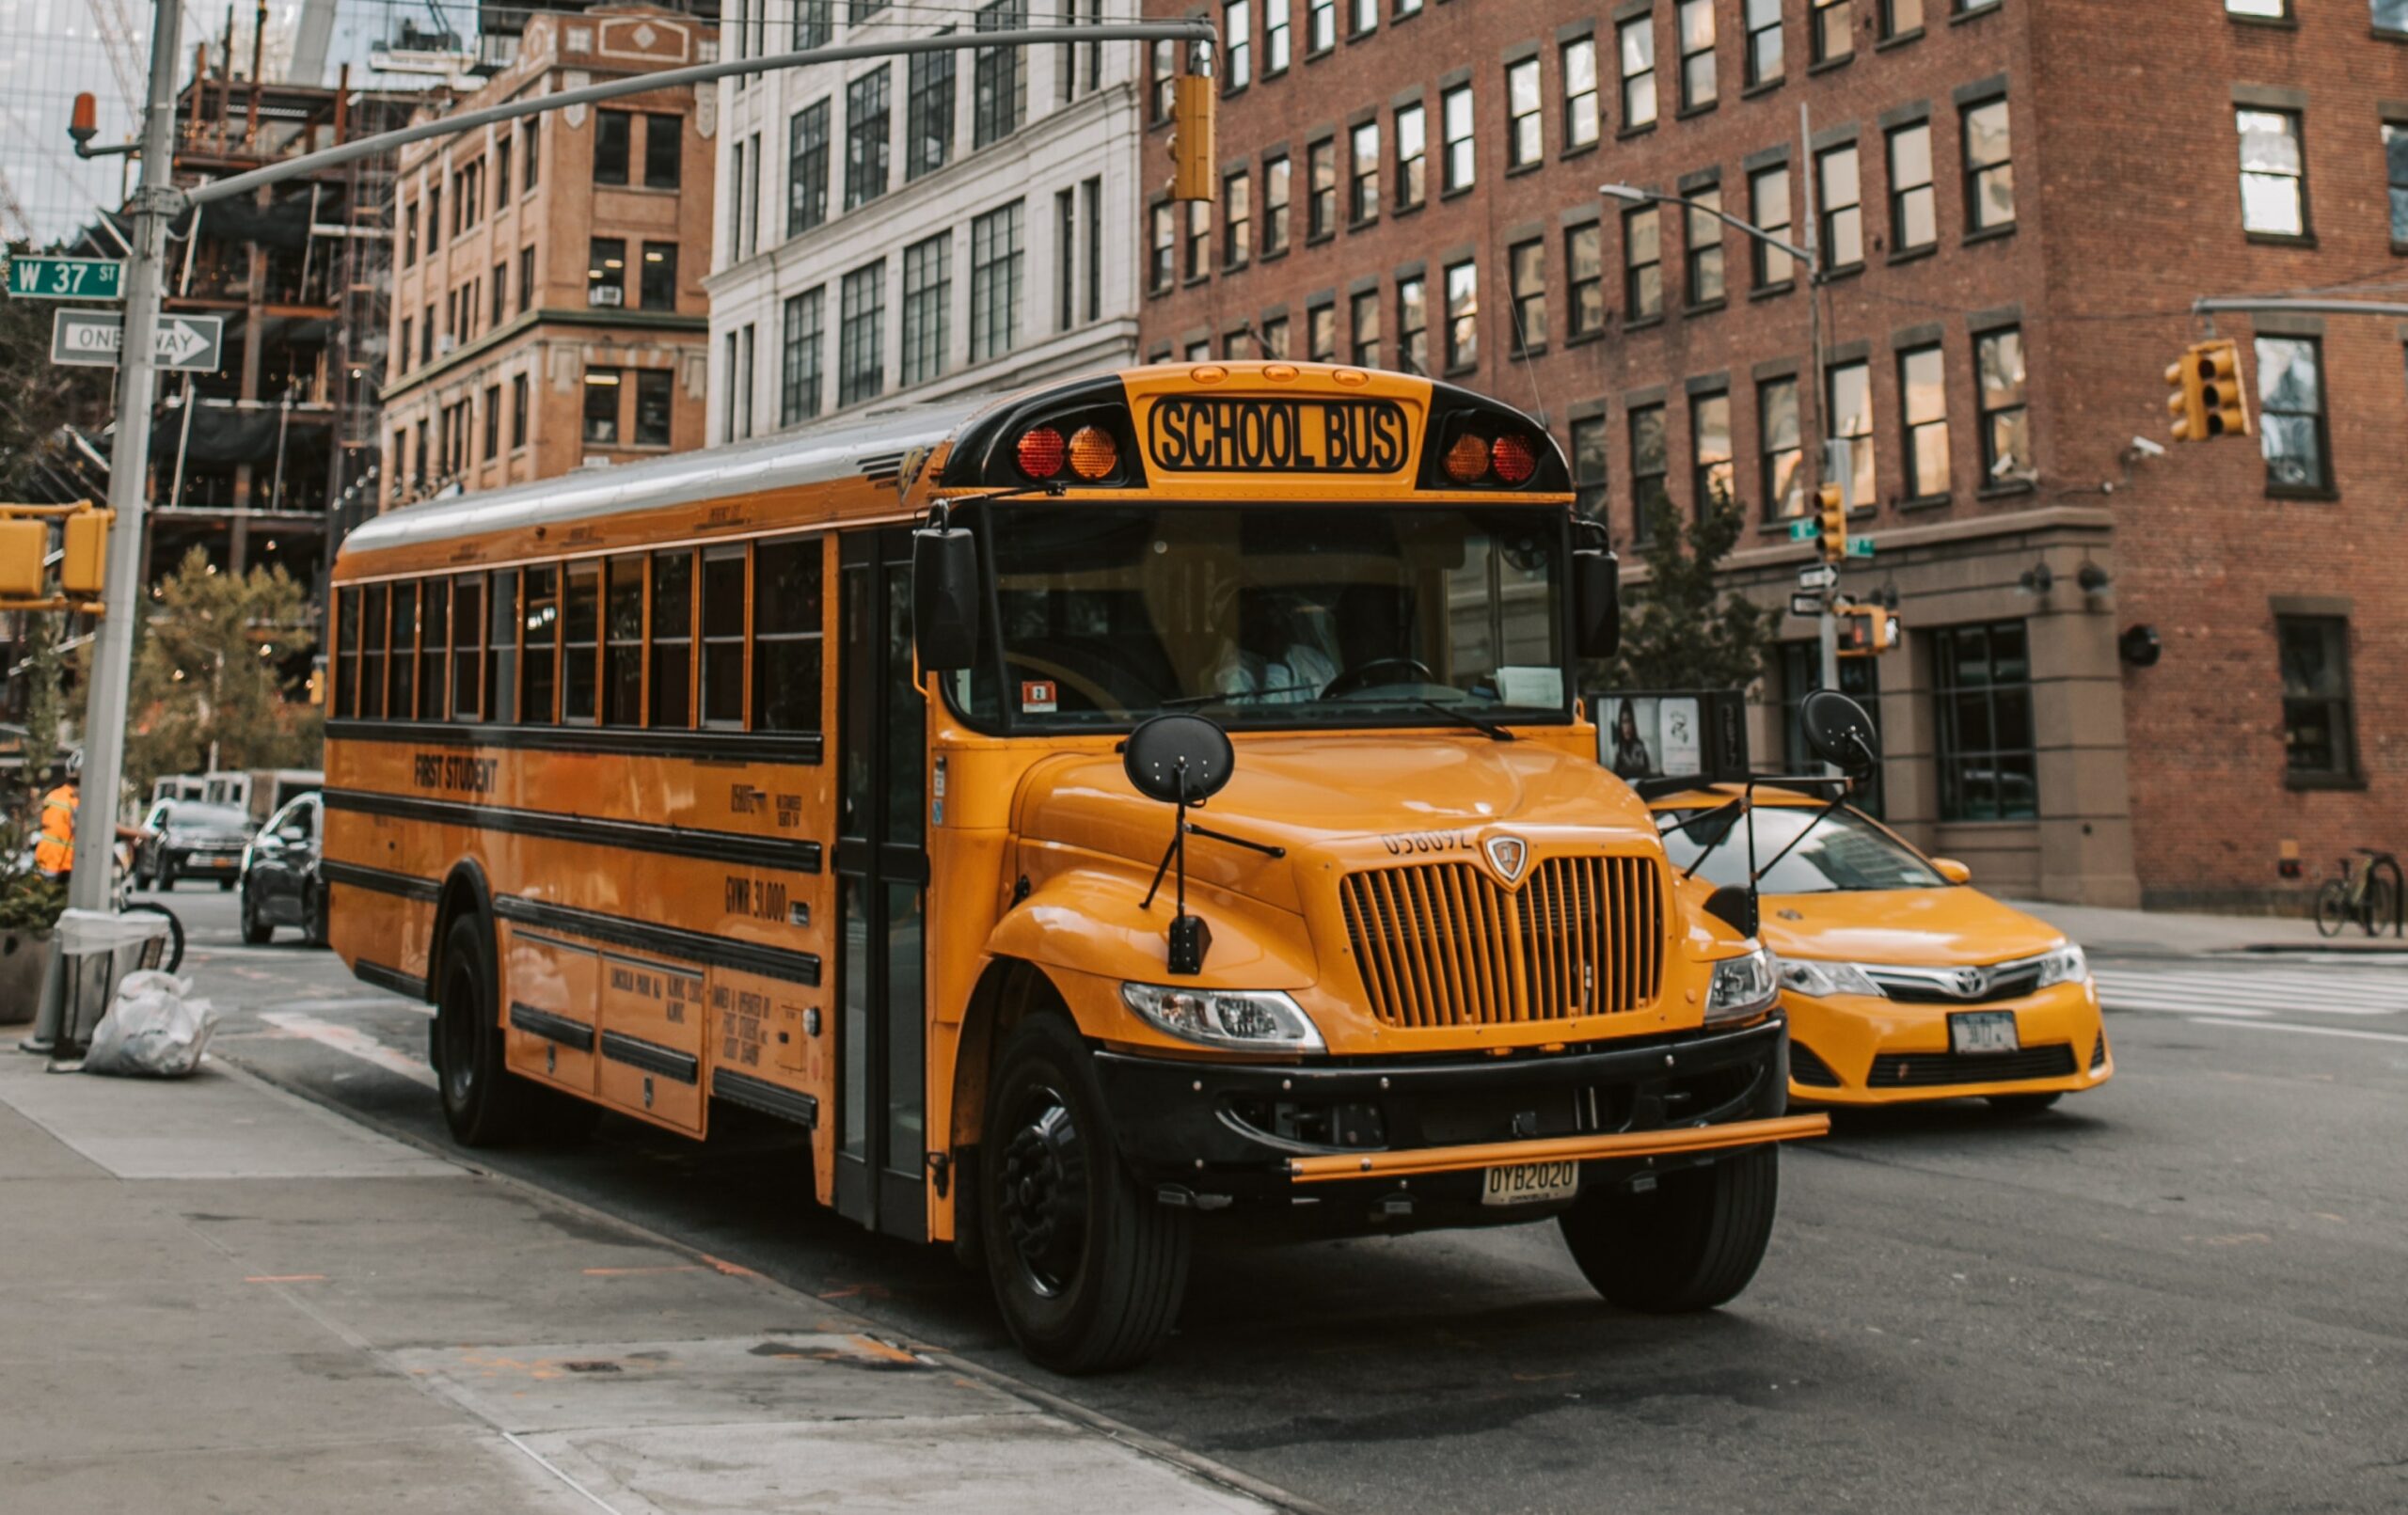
<point>190,839</point>
<point>280,883</point>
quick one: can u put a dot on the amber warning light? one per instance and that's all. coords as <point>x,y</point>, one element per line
<point>83,124</point>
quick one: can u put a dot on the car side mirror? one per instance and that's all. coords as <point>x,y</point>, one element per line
<point>944,594</point>
<point>1840,732</point>
<point>1596,591</point>
<point>1950,869</point>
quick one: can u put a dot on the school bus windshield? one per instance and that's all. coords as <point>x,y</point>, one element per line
<point>1272,615</point>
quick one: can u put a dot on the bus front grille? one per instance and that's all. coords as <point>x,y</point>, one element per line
<point>1441,944</point>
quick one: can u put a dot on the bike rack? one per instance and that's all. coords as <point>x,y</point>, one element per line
<point>2398,905</point>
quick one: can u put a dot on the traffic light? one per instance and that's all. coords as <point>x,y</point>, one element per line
<point>1194,100</point>
<point>22,544</point>
<point>83,566</point>
<point>1833,512</point>
<point>2207,401</point>
<point>1866,630</point>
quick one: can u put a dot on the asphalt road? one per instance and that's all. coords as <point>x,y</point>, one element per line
<point>2185,1291</point>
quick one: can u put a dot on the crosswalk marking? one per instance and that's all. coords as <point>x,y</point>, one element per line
<point>2251,992</point>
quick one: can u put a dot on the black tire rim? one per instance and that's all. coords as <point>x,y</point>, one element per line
<point>1041,1193</point>
<point>460,1020</point>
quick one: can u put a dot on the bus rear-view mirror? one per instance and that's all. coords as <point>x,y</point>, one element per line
<point>945,596</point>
<point>1840,732</point>
<point>1596,592</point>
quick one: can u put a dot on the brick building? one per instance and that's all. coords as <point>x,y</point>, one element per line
<point>548,305</point>
<point>2018,200</point>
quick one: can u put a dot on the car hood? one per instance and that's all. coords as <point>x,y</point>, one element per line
<point>1922,927</point>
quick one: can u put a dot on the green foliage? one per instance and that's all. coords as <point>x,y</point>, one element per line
<point>37,401</point>
<point>208,683</point>
<point>1679,630</point>
<point>28,902</point>
<point>45,695</point>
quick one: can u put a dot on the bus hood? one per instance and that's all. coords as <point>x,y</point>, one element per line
<point>1349,801</point>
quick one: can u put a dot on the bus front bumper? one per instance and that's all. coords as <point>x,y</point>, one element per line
<point>1216,1132</point>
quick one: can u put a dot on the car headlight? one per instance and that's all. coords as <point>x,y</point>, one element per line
<point>1818,979</point>
<point>1252,1021</point>
<point>1742,987</point>
<point>2067,965</point>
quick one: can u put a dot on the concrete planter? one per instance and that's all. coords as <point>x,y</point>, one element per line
<point>24,954</point>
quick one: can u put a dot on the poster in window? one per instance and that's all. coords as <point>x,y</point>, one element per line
<point>1650,737</point>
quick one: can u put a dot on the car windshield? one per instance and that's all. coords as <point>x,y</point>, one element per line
<point>191,817</point>
<point>1844,851</point>
<point>1272,615</point>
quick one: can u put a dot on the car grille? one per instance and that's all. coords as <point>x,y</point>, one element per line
<point>1908,990</point>
<point>1441,944</point>
<point>1806,1068</point>
<point>1923,1070</point>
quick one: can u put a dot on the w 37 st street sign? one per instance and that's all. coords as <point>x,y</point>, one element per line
<point>32,278</point>
<point>92,338</point>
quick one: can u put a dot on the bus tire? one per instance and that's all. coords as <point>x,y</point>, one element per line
<point>483,1102</point>
<point>1087,1270</point>
<point>1691,1243</point>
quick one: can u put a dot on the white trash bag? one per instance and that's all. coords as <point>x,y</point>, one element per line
<point>154,1030</point>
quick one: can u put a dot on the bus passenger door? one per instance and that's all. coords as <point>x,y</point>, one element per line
<point>881,892</point>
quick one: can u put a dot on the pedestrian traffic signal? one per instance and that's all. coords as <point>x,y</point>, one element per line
<point>1866,630</point>
<point>2207,401</point>
<point>1831,510</point>
<point>1192,102</point>
<point>83,566</point>
<point>22,544</point>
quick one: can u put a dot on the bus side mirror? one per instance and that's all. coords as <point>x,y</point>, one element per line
<point>944,594</point>
<point>1596,591</point>
<point>1840,732</point>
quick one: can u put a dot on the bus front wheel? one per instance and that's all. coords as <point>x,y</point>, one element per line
<point>483,1102</point>
<point>1690,1243</point>
<point>1087,1270</point>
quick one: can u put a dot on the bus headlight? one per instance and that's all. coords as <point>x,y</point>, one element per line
<point>1742,987</point>
<point>1252,1021</point>
<point>2067,965</point>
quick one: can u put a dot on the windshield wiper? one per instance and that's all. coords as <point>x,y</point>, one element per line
<point>1494,730</point>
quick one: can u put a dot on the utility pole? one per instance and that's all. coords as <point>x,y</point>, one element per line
<point>1827,629</point>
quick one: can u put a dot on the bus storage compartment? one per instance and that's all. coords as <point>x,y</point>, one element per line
<point>549,993</point>
<point>652,1038</point>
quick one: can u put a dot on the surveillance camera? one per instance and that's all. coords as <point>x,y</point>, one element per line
<point>2146,448</point>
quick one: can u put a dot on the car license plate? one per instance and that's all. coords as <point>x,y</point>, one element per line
<point>1982,1030</point>
<point>221,861</point>
<point>1531,1183</point>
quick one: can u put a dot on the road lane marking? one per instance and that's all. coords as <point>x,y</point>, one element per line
<point>354,1042</point>
<point>2306,1030</point>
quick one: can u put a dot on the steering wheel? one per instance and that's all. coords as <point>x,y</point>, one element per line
<point>1358,675</point>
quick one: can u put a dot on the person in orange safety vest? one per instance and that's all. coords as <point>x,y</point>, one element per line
<point>54,852</point>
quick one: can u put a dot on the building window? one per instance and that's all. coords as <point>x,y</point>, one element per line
<point>1580,94</point>
<point>2395,157</point>
<point>1914,222</point>
<point>525,280</point>
<point>1363,312</point>
<point>994,282</point>
<point>2291,414</point>
<point>2265,9</point>
<point>1274,335</point>
<point>1162,70</point>
<point>1275,206</point>
<point>861,326</point>
<point>1454,126</point>
<point>1321,215</point>
<point>1320,333</point>
<point>1525,137</point>
<point>655,396</point>
<point>1366,17</point>
<point>1651,502</point>
<point>1638,43</point>
<point>1764,41</point>
<point>1237,219</point>
<point>742,379</point>
<point>1321,26</point>
<point>606,272</point>
<point>664,152</point>
<point>799,365</point>
<point>1984,678</point>
<point>518,411</point>
<point>1091,215</point>
<point>1833,24</point>
<point>1989,168</point>
<point>1711,481</point>
<point>409,233</point>
<point>2320,727</point>
<point>1841,201</point>
<point>2389,15</point>
<point>1463,316</point>
<point>1768,209</point>
<point>748,196</point>
<point>602,404</point>
<point>1848,390</point>
<point>401,359</point>
<point>1780,456</point>
<point>807,168</point>
<point>1696,22</point>
<point>658,286</point>
<point>928,114</point>
<point>1584,262</point>
<point>865,139</point>
<point>1411,156</point>
<point>815,24</point>
<point>928,297</point>
<point>1412,325</point>
<point>1527,262</point>
<point>1199,239</point>
<point>1702,247</point>
<point>999,77</point>
<point>1900,18</point>
<point>611,131</point>
<point>1643,264</point>
<point>530,156</point>
<point>1363,174</point>
<point>2006,435</point>
<point>2273,176</point>
<point>1274,35</point>
<point>1922,407</point>
<point>500,310</point>
<point>435,213</point>
<point>1237,44</point>
<point>1589,465</point>
<point>493,421</point>
<point>1161,247</point>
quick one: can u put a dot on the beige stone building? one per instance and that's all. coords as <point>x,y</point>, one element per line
<point>547,309</point>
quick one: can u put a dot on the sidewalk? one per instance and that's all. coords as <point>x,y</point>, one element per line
<point>219,1296</point>
<point>2168,934</point>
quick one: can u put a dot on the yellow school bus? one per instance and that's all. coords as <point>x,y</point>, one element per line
<point>1221,842</point>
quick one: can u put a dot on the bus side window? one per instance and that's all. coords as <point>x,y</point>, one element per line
<point>346,658</point>
<point>501,648</point>
<point>435,625</point>
<point>724,618</point>
<point>786,634</point>
<point>538,675</point>
<point>580,641</point>
<point>467,646</point>
<point>623,641</point>
<point>404,700</point>
<point>371,652</point>
<point>673,639</point>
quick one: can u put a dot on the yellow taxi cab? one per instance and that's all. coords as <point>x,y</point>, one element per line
<point>1902,982</point>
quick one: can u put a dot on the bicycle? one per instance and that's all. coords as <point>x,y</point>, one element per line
<point>122,885</point>
<point>2370,896</point>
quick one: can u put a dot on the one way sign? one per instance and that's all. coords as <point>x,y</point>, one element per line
<point>92,338</point>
